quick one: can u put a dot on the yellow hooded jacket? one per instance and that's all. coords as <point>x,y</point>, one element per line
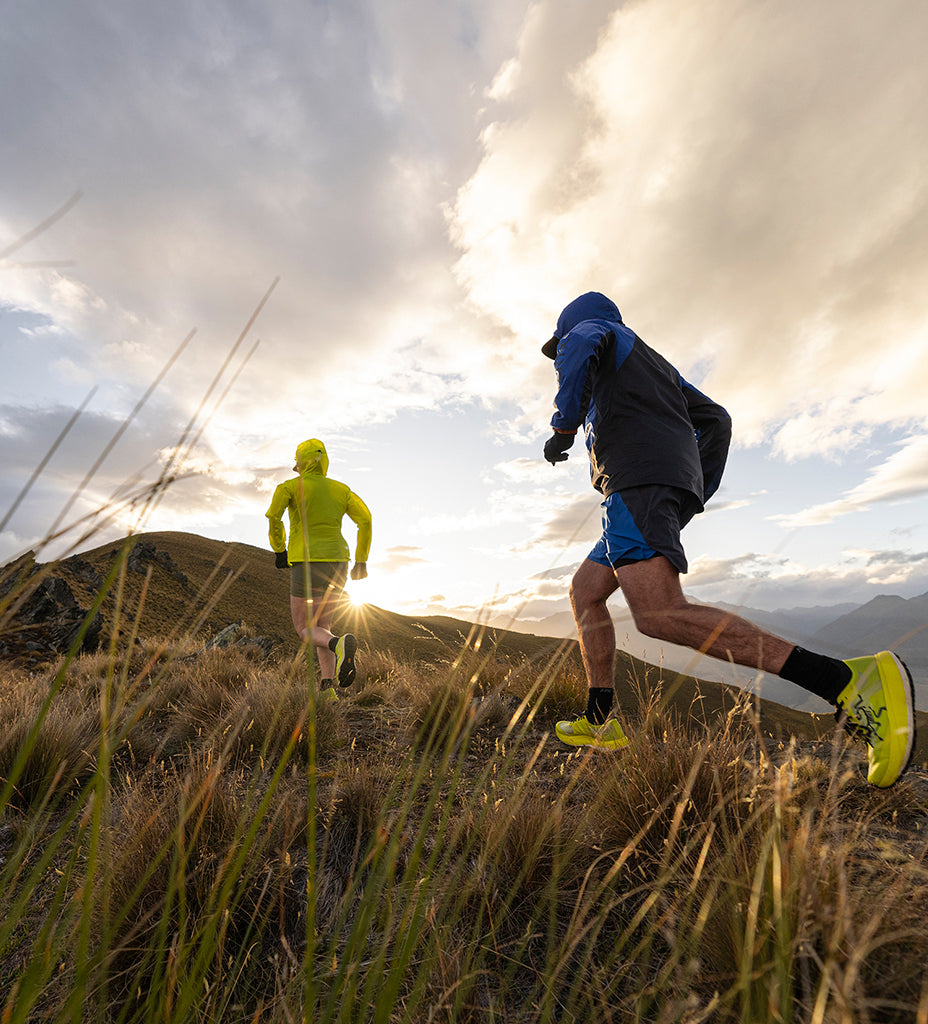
<point>316,506</point>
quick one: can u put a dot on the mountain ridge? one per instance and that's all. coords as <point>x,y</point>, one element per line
<point>177,584</point>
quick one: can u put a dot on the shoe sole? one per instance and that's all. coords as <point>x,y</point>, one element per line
<point>908,690</point>
<point>346,669</point>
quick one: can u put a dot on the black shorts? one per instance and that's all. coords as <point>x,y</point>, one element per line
<point>321,577</point>
<point>641,522</point>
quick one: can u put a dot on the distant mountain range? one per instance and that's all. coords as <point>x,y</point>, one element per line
<point>887,622</point>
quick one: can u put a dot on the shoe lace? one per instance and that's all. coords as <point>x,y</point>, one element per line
<point>861,720</point>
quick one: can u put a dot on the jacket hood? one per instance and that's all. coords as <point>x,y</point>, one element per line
<point>311,457</point>
<point>591,306</point>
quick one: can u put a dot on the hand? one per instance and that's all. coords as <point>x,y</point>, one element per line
<point>359,571</point>
<point>556,447</point>
<point>280,560</point>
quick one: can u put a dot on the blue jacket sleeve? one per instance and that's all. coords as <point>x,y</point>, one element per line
<point>713,436</point>
<point>578,355</point>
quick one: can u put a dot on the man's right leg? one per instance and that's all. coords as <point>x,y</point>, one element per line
<point>591,587</point>
<point>593,584</point>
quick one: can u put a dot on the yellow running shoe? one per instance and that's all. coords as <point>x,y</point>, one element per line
<point>877,705</point>
<point>344,648</point>
<point>328,696</point>
<point>581,732</point>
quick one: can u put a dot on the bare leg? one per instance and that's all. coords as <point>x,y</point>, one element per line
<point>299,616</point>
<point>660,609</point>
<point>590,588</point>
<point>321,634</point>
<point>318,634</point>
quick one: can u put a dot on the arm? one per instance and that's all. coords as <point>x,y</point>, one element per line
<point>360,514</point>
<point>577,359</point>
<point>713,436</point>
<point>275,514</point>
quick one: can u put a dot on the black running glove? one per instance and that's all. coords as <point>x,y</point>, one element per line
<point>280,560</point>
<point>556,447</point>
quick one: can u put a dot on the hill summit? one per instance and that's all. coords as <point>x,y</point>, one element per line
<point>172,585</point>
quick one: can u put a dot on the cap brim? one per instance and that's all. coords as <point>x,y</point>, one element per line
<point>550,348</point>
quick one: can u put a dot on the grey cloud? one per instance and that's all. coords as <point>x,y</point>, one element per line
<point>785,585</point>
<point>218,148</point>
<point>897,558</point>
<point>72,482</point>
<point>576,520</point>
<point>705,572</point>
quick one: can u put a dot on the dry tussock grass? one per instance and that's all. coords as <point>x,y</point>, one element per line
<point>423,850</point>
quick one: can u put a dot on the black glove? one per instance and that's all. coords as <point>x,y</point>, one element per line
<point>556,447</point>
<point>280,560</point>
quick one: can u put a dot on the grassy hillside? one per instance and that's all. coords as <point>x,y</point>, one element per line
<point>180,584</point>
<point>187,834</point>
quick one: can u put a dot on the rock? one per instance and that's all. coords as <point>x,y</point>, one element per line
<point>144,553</point>
<point>46,619</point>
<point>236,635</point>
<point>226,637</point>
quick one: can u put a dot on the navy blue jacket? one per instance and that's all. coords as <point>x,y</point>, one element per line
<point>644,423</point>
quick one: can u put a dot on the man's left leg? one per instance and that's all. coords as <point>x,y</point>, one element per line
<point>874,693</point>
<point>660,609</point>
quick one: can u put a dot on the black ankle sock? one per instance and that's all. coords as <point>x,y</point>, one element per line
<point>325,684</point>
<point>599,704</point>
<point>332,643</point>
<point>825,677</point>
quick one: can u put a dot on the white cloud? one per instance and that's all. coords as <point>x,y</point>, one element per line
<point>904,475</point>
<point>400,556</point>
<point>431,184</point>
<point>772,582</point>
<point>741,180</point>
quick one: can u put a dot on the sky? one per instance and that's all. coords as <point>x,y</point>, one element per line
<point>229,227</point>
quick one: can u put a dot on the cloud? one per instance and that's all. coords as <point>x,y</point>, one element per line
<point>100,475</point>
<point>745,184</point>
<point>902,476</point>
<point>532,471</point>
<point>575,520</point>
<point>400,556</point>
<point>560,572</point>
<point>772,582</point>
<point>707,571</point>
<point>216,151</point>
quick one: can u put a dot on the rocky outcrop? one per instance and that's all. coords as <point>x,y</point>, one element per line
<point>144,554</point>
<point>42,618</point>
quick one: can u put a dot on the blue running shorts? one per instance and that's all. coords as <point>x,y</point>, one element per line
<point>641,522</point>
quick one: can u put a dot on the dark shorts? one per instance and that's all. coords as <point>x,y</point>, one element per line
<point>641,522</point>
<point>321,576</point>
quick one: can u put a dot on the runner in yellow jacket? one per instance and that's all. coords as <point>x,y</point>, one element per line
<point>317,555</point>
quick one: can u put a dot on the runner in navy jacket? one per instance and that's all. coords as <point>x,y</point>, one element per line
<point>644,423</point>
<point>657,449</point>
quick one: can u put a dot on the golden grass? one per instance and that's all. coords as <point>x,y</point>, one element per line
<point>187,835</point>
